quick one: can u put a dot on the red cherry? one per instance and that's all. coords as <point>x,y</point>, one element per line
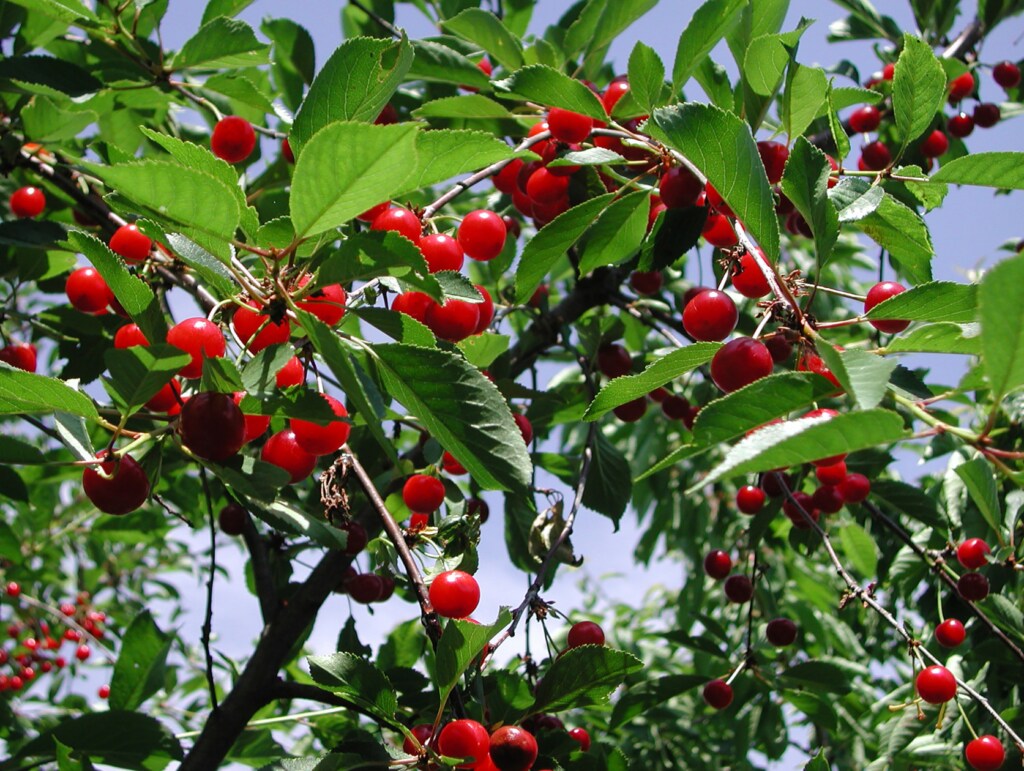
<point>614,360</point>
<point>251,317</point>
<point>413,304</point>
<point>506,180</point>
<point>423,493</point>
<point>20,356</point>
<point>286,151</point>
<point>739,363</point>
<point>631,411</point>
<point>569,127</point>
<point>232,519</point>
<point>986,114</point>
<point>985,753</point>
<point>711,315</point>
<point>465,739</point>
<point>779,348</point>
<point>482,234</point>
<point>545,187</point>
<point>87,291</point>
<point>972,553</point>
<point>716,202</point>
<point>387,116</point>
<point>795,507</point>
<point>1006,74</point>
<point>781,632</point>
<point>485,309</point>
<point>201,339</point>
<point>674,407</point>
<point>960,125</point>
<point>936,684</point>
<point>828,499</point>
<point>283,450</point>
<point>961,87</point>
<point>233,139</point>
<point>318,439</point>
<point>679,188</point>
<point>212,426</point>
<point>104,692</point>
<point>750,499</point>
<point>401,221</point>
<point>718,231</point>
<point>935,144</point>
<point>479,508</point>
<point>812,362</point>
<point>973,587</point>
<point>774,156</point>
<point>371,214</point>
<point>831,473</point>
<point>864,119</point>
<point>512,225</point>
<point>545,148</point>
<point>454,594</point>
<point>580,735</point>
<point>455,320</point>
<point>365,588</point>
<point>876,156</point>
<point>950,633</point>
<point>291,374</point>
<point>422,733</point>
<point>738,588</point>
<point>13,589</point>
<point>748,279</point>
<point>451,465</point>
<point>485,66</point>
<point>326,303</point>
<point>121,488</point>
<point>718,694</point>
<point>717,564</point>
<point>646,282</point>
<point>129,242</point>
<point>255,425</point>
<point>888,71</point>
<point>441,252</point>
<point>525,427</point>
<point>615,91</point>
<point>585,633</point>
<point>357,537</point>
<point>513,749</point>
<point>27,202</point>
<point>129,335</point>
<point>879,293</point>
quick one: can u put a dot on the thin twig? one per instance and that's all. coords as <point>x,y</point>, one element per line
<point>208,619</point>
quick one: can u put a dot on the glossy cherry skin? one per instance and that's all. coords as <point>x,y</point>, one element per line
<point>212,426</point>
<point>986,115</point>
<point>357,537</point>
<point>831,474</point>
<point>422,733</point>
<point>710,316</point>
<point>465,739</point>
<point>232,519</point>
<point>524,425</point>
<point>935,144</point>
<point>129,335</point>
<point>326,303</point>
<point>451,464</point>
<point>750,499</point>
<point>284,451</point>
<point>286,151</point>
<point>1006,74</point>
<point>718,694</point>
<point>569,127</point>
<point>319,439</point>
<point>936,684</point>
<point>442,252</point>
<point>482,235</point>
<point>233,139</point>
<point>961,87</point>
<point>781,632</point>
<point>423,493</point>
<point>812,362</point>
<point>973,553</point>
<point>865,119</point>
<point>646,282</point>
<point>679,188</point>
<point>249,318</point>
<point>506,180</point>
<point>255,425</point>
<point>876,156</point>
<point>455,320</point>
<point>581,736</point>
<point>413,304</point>
<point>960,125</point>
<point>973,587</point>
<point>545,187</point>
<point>614,360</point>
<point>718,231</point>
<point>739,589</point>
<point>291,374</point>
<point>130,243</point>
<point>986,753</point>
<point>748,279</point>
<point>513,749</point>
<point>950,633</point>
<point>201,339</point>
<point>371,214</point>
<point>401,221</point>
<point>365,588</point>
<point>585,633</point>
<point>27,202</point>
<point>87,291</point>
<point>631,411</point>
<point>828,499</point>
<point>774,156</point>
<point>717,564</point>
<point>739,363</point>
<point>615,91</point>
<point>454,594</point>
<point>20,356</point>
<point>485,310</point>
<point>124,488</point>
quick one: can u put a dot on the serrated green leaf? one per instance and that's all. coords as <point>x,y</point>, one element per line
<point>49,71</point>
<point>706,28</point>
<point>258,375</point>
<point>139,671</point>
<point>27,393</point>
<point>805,183</point>
<point>470,106</point>
<point>998,169</point>
<point>648,694</point>
<point>402,328</point>
<point>818,763</point>
<point>481,350</point>
<point>980,481</point>
<point>213,271</point>
<point>863,375</point>
<point>1002,326</point>
<point>855,198</point>
<point>582,676</point>
<point>445,153</point>
<point>486,30</point>
<point>805,94</point>
<point>116,737</point>
<point>222,42</point>
<point>836,128</point>
<point>909,500</point>
<point>437,62</point>
<point>819,676</point>
<point>69,11</point>
<point>764,64</point>
<point>355,679</point>
<point>368,255</point>
<point>934,301</point>
<point>599,23</point>
<point>859,548</point>
<point>646,76</point>
<point>139,372</point>
<point>943,337</point>
<point>460,644</point>
<point>918,89</point>
<point>609,483</point>
<point>617,234</point>
<point>903,233</point>
<point>546,85</point>
<point>15,451</point>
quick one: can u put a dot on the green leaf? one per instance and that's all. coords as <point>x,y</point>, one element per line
<point>1005,613</point>
<point>139,671</point>
<point>119,738</point>
<point>582,676</point>
<point>57,74</point>
<point>934,301</point>
<point>486,30</point>
<point>600,22</point>
<point>1002,326</point>
<point>460,644</point>
<point>902,232</point>
<point>552,242</point>
<point>804,440</point>
<point>546,85</point>
<point>368,255</point>
<point>445,153</point>
<point>461,409</point>
<point>216,8</point>
<point>482,350</point>
<point>805,94</point>
<point>818,676</point>
<point>345,169</point>
<point>222,42</point>
<point>646,76</point>
<point>918,89</point>
<point>980,481</point>
<point>258,376</point>
<point>14,451</point>
<point>592,156</point>
<point>292,58</point>
<point>27,393</point>
<point>403,328</point>
<point>134,294</point>
<point>706,28</point>
<point>805,183</point>
<point>818,763</point>
<point>1002,170</point>
<point>356,680</point>
<point>220,375</point>
<point>721,146</point>
<point>354,85</point>
<point>617,234</point>
<point>836,128</point>
<point>211,270</point>
<point>675,232</point>
<point>629,387</point>
<point>863,375</point>
<point>437,62</point>
<point>139,372</point>
<point>909,500</point>
<point>285,516</point>
<point>470,106</point>
<point>69,11</point>
<point>859,548</point>
<point>648,694</point>
<point>943,337</point>
<point>764,64</point>
<point>609,482</point>
<point>855,198</point>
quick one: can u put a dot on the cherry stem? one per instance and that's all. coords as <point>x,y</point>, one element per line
<point>778,286</point>
<point>208,616</point>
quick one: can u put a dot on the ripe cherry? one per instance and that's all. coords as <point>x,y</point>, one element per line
<point>615,91</point>
<point>935,144</point>
<point>13,589</point>
<point>212,426</point>
<point>950,633</point>
<point>972,553</point>
<point>506,180</point>
<point>87,291</point>
<point>423,493</point>
<point>513,748</point>
<point>291,374</point>
<point>888,71</point>
<point>317,439</point>
<point>422,734</point>
<point>365,588</point>
<point>718,231</point>
<point>739,363</point>
<point>201,339</point>
<point>454,321</point>
<point>717,564</point>
<point>675,407</point>
<point>580,735</point>
<point>585,633</point>
<point>936,684</point>
<point>961,87</point>
<point>960,125</point>
<point>831,474</point>
<point>485,309</point>
<point>27,202</point>
<point>465,739</point>
<point>631,411</point>
<point>232,519</point>
<point>797,506</point>
<point>750,499</point>
<point>130,243</point>
<point>251,317</point>
<point>718,694</point>
<point>283,450</point>
<point>122,486</point>
<point>20,356</point>
<point>569,127</point>
<point>779,347</point>
<point>986,114</point>
<point>545,187</point>
<point>451,464</point>
<point>524,425</point>
<point>454,594</point>
<point>1006,74</point>
<point>875,156</point>
<point>371,214</point>
<point>482,235</point>
<point>412,304</point>
<point>865,119</point>
<point>82,653</point>
<point>129,335</point>
<point>812,362</point>
<point>286,151</point>
<point>614,360</point>
<point>828,499</point>
<point>104,692</point>
<point>739,588</point>
<point>356,536</point>
<point>401,221</point>
<point>679,188</point>
<point>774,156</point>
<point>985,753</point>
<point>233,139</point>
<point>255,425</point>
<point>973,587</point>
<point>441,252</point>
<point>710,316</point>
<point>327,303</point>
<point>748,279</point>
<point>646,282</point>
<point>781,632</point>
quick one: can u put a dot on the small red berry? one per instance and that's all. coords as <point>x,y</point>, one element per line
<point>441,252</point>
<point>291,374</point>
<point>412,304</point>
<point>865,119</point>
<point>961,87</point>
<point>631,411</point>
<point>129,335</point>
<point>717,564</point>
<point>422,734</point>
<point>524,425</point>
<point>679,188</point>
<point>750,499</point>
<point>233,139</point>
<point>718,694</point>
<point>879,293</point>
<point>973,587</point>
<point>286,150</point>
<point>454,321</point>
<point>545,187</point>
<point>130,243</point>
<point>614,360</point>
<point>13,589</point>
<point>255,425</point>
<point>365,588</point>
<point>87,291</point>
<point>121,488</point>
<point>936,684</point>
<point>485,310</point>
<point>585,633</point>
<point>1006,74</point>
<point>972,553</point>
<point>774,156</point>
<point>718,231</point>
<point>512,749</point>
<point>739,588</point>
<point>935,144</point>
<point>327,303</point>
<point>21,356</point>
<point>615,91</point>
<point>319,439</point>
<point>646,282</point>
<point>781,632</point>
<point>454,594</point>
<point>27,202</point>
<point>212,426</point>
<point>482,235</point>
<point>888,71</point>
<point>748,279</point>
<point>371,214</point>
<point>986,114</point>
<point>283,450</point>
<point>960,125</point>
<point>985,753</point>
<point>232,519</point>
<point>876,156</point>
<point>710,316</point>
<point>739,363</point>
<point>569,127</point>
<point>465,739</point>
<point>82,652</point>
<point>104,692</point>
<point>950,633</point>
<point>401,221</point>
<point>201,339</point>
<point>423,493</point>
<point>254,327</point>
<point>451,465</point>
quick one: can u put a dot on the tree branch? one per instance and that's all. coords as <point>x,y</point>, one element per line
<point>208,616</point>
<point>266,592</point>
